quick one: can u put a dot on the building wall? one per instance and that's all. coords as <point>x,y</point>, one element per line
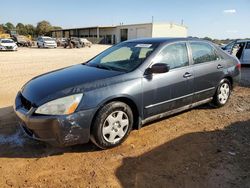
<point>112,35</point>
<point>168,30</point>
<point>135,31</point>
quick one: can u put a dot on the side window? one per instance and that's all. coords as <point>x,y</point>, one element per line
<point>248,45</point>
<point>175,55</point>
<point>203,52</point>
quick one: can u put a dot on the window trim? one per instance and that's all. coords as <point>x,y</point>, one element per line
<point>166,45</point>
<point>191,52</point>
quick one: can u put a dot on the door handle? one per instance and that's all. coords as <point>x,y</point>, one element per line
<point>187,75</point>
<point>219,66</point>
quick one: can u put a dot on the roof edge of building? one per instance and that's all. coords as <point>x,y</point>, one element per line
<point>115,26</point>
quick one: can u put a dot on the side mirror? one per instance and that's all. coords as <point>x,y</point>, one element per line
<point>158,68</point>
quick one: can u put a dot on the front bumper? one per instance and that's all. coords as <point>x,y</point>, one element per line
<point>64,130</point>
<point>48,45</point>
<point>8,48</point>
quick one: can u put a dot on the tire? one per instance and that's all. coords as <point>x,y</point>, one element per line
<point>38,45</point>
<point>112,125</point>
<point>223,93</point>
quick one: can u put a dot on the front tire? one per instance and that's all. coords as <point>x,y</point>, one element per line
<point>112,125</point>
<point>223,93</point>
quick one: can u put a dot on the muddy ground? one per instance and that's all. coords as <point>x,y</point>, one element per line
<point>203,147</point>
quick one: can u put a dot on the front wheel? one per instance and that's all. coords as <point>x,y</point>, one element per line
<point>112,125</point>
<point>223,93</point>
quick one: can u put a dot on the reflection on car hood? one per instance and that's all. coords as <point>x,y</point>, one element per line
<point>8,44</point>
<point>50,42</point>
<point>72,79</point>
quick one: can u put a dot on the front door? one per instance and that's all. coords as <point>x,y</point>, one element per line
<point>171,90</point>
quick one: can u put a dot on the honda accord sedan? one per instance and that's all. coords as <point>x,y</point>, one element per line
<point>124,87</point>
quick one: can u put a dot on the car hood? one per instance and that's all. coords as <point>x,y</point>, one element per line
<point>8,44</point>
<point>63,82</point>
<point>50,42</point>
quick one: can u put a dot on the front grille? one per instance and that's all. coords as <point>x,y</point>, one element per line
<point>25,103</point>
<point>9,47</point>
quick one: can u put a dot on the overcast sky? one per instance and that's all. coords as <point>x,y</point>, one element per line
<point>213,18</point>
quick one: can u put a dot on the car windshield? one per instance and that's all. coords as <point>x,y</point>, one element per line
<point>7,41</point>
<point>48,39</point>
<point>123,57</point>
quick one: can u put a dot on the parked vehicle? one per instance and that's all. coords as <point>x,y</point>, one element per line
<point>61,41</point>
<point>124,87</point>
<point>85,42</point>
<point>46,42</point>
<point>240,49</point>
<point>22,41</point>
<point>8,45</point>
<point>75,42</point>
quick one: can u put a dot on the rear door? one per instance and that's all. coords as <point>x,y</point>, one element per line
<point>246,54</point>
<point>208,70</point>
<point>166,91</point>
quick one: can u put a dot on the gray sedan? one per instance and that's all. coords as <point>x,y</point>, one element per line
<point>124,87</point>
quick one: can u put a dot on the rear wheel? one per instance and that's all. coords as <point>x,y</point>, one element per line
<point>112,125</point>
<point>223,93</point>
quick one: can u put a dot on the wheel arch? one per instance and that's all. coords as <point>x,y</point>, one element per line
<point>230,79</point>
<point>127,100</point>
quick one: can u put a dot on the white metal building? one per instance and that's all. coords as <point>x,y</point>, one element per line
<point>116,34</point>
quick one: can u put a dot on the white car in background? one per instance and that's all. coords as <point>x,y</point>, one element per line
<point>46,42</point>
<point>8,45</point>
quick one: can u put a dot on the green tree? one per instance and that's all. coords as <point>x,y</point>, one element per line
<point>30,30</point>
<point>56,27</point>
<point>21,29</point>
<point>9,26</point>
<point>2,29</point>
<point>43,28</point>
<point>208,39</point>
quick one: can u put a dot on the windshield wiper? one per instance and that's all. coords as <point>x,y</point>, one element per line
<point>103,67</point>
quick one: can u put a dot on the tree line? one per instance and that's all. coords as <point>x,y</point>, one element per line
<point>42,28</point>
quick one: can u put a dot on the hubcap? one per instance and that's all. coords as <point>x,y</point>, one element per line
<point>115,126</point>
<point>224,93</point>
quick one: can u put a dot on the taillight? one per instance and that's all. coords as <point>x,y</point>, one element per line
<point>238,66</point>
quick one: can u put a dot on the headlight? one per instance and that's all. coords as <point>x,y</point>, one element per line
<point>61,106</point>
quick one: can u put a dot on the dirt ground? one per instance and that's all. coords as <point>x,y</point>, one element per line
<point>203,147</point>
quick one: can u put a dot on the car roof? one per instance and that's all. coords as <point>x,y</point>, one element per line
<point>164,40</point>
<point>243,40</point>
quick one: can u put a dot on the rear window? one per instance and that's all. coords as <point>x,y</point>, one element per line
<point>203,52</point>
